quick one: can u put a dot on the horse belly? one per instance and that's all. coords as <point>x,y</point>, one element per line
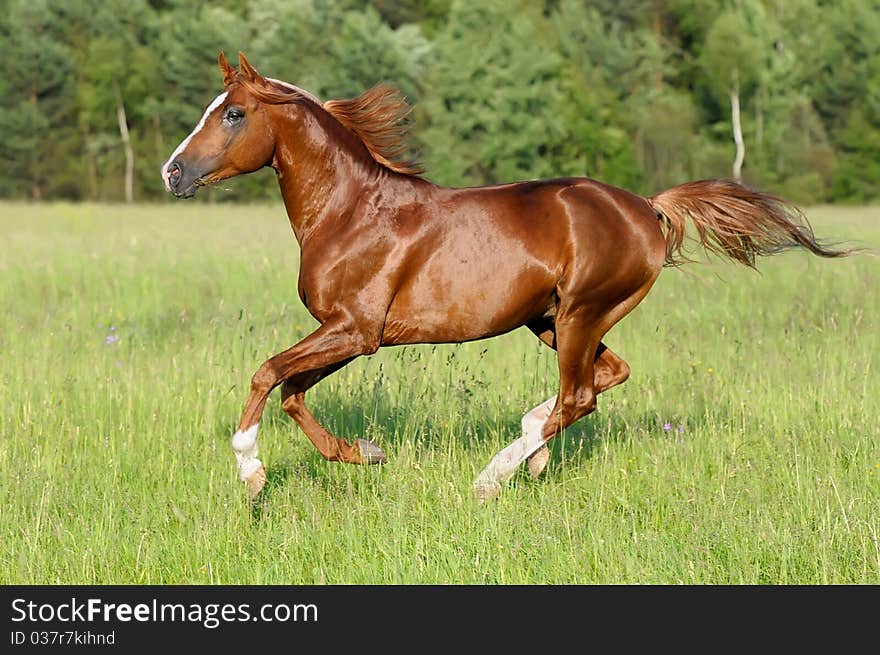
<point>470,296</point>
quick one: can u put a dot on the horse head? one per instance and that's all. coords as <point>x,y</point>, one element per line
<point>233,136</point>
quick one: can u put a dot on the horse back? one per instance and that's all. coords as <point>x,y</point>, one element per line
<point>482,261</point>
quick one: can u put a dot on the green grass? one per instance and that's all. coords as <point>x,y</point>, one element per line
<point>117,468</point>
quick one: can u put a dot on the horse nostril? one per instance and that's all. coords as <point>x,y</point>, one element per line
<point>174,173</point>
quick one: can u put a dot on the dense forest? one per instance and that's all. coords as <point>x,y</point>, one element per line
<point>643,94</point>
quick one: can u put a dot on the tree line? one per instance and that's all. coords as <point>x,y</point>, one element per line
<point>644,94</point>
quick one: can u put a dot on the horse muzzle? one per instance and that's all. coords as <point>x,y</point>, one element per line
<point>182,180</point>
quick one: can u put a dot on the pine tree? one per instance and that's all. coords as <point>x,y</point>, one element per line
<point>36,78</point>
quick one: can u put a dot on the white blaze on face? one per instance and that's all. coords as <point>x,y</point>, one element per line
<point>216,103</point>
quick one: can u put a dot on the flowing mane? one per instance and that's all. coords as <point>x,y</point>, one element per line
<point>377,117</point>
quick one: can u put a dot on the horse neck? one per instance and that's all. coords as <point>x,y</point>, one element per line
<point>322,168</point>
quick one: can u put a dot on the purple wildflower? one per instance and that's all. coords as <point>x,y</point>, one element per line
<point>667,426</point>
<point>681,428</point>
<point>110,339</point>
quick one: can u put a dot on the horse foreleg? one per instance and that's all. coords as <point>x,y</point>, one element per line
<point>326,349</point>
<point>332,448</point>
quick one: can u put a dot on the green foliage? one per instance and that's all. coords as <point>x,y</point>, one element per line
<point>612,90</point>
<point>37,79</point>
<point>845,84</point>
<point>333,50</point>
<point>857,177</point>
<point>492,102</point>
<point>633,92</point>
<point>667,140</point>
<point>733,51</point>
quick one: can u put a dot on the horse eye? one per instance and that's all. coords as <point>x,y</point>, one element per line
<point>234,115</point>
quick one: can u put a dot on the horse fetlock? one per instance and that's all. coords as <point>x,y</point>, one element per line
<point>247,467</point>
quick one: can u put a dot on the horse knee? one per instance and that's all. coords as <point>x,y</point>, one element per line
<point>292,403</point>
<point>264,380</point>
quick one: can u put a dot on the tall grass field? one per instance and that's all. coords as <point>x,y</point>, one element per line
<point>745,448</point>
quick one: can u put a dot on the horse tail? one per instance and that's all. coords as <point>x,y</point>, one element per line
<point>734,221</point>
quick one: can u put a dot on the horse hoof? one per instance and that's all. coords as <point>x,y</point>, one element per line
<point>538,462</point>
<point>256,481</point>
<point>485,491</point>
<point>370,452</point>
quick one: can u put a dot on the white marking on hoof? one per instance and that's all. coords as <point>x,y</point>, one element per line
<point>370,452</point>
<point>244,443</point>
<point>256,481</point>
<point>538,462</point>
<point>504,464</point>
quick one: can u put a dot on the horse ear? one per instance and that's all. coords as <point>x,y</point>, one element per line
<point>249,71</point>
<point>226,70</point>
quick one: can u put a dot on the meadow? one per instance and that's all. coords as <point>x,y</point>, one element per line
<point>745,448</point>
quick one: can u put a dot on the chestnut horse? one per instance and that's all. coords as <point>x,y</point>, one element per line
<point>388,258</point>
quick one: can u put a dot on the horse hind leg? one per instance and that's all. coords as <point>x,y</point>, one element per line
<point>609,370</point>
<point>576,351</point>
<point>577,340</point>
<point>587,367</point>
<point>502,467</point>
